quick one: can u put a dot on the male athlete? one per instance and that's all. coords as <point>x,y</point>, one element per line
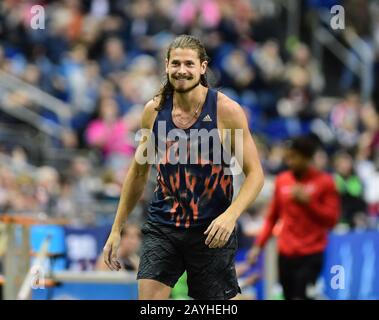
<point>192,219</point>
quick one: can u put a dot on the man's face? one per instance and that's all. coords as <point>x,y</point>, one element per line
<point>295,161</point>
<point>184,69</point>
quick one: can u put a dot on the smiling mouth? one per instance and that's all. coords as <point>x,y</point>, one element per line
<point>182,79</point>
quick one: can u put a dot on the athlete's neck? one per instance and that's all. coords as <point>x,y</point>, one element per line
<point>189,101</point>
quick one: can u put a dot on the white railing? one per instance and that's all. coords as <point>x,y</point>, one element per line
<point>60,108</point>
<point>360,63</point>
<point>10,83</point>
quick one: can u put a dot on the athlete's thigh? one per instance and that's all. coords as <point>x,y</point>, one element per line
<point>149,289</point>
<point>160,259</point>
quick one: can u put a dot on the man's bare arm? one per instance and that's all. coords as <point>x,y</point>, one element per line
<point>234,118</point>
<point>231,116</point>
<point>132,190</point>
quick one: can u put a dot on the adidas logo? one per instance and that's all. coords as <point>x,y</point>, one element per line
<point>207,118</point>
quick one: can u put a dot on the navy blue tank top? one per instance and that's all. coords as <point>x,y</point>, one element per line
<point>193,183</point>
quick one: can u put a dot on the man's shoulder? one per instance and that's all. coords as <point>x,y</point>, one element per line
<point>226,104</point>
<point>152,104</point>
<point>228,110</point>
<point>150,113</point>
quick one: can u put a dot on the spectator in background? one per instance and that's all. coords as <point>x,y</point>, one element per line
<point>66,207</point>
<point>111,135</point>
<point>301,58</point>
<point>206,12</point>
<point>358,35</point>
<point>350,188</point>
<point>83,185</point>
<point>40,59</point>
<point>141,16</point>
<point>32,75</point>
<point>99,8</point>
<point>296,104</point>
<point>58,41</point>
<point>271,69</point>
<point>126,96</point>
<point>344,119</point>
<point>297,98</point>
<point>74,19</point>
<point>273,163</point>
<point>368,171</point>
<point>7,188</point>
<point>237,70</point>
<point>128,252</point>
<point>88,96</point>
<point>73,72</point>
<point>114,60</point>
<point>369,139</point>
<point>17,184</point>
<point>2,57</point>
<point>107,90</point>
<point>143,71</point>
<point>269,62</point>
<point>307,203</point>
<point>321,160</point>
<point>47,188</point>
<point>164,12</point>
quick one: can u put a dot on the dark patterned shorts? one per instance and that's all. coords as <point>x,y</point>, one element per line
<point>168,251</point>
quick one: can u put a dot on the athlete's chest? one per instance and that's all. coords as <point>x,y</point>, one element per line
<point>183,119</point>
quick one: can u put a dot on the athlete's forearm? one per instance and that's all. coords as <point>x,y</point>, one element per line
<point>248,193</point>
<point>132,190</point>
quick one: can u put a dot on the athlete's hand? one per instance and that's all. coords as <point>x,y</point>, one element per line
<point>110,251</point>
<point>220,229</point>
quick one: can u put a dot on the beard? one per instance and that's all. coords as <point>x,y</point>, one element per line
<point>184,90</point>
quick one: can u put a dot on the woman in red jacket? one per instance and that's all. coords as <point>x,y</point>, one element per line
<point>307,203</point>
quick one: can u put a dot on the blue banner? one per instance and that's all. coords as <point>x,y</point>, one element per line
<point>351,269</point>
<point>84,245</point>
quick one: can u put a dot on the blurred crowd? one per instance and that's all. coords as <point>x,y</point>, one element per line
<point>105,60</point>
